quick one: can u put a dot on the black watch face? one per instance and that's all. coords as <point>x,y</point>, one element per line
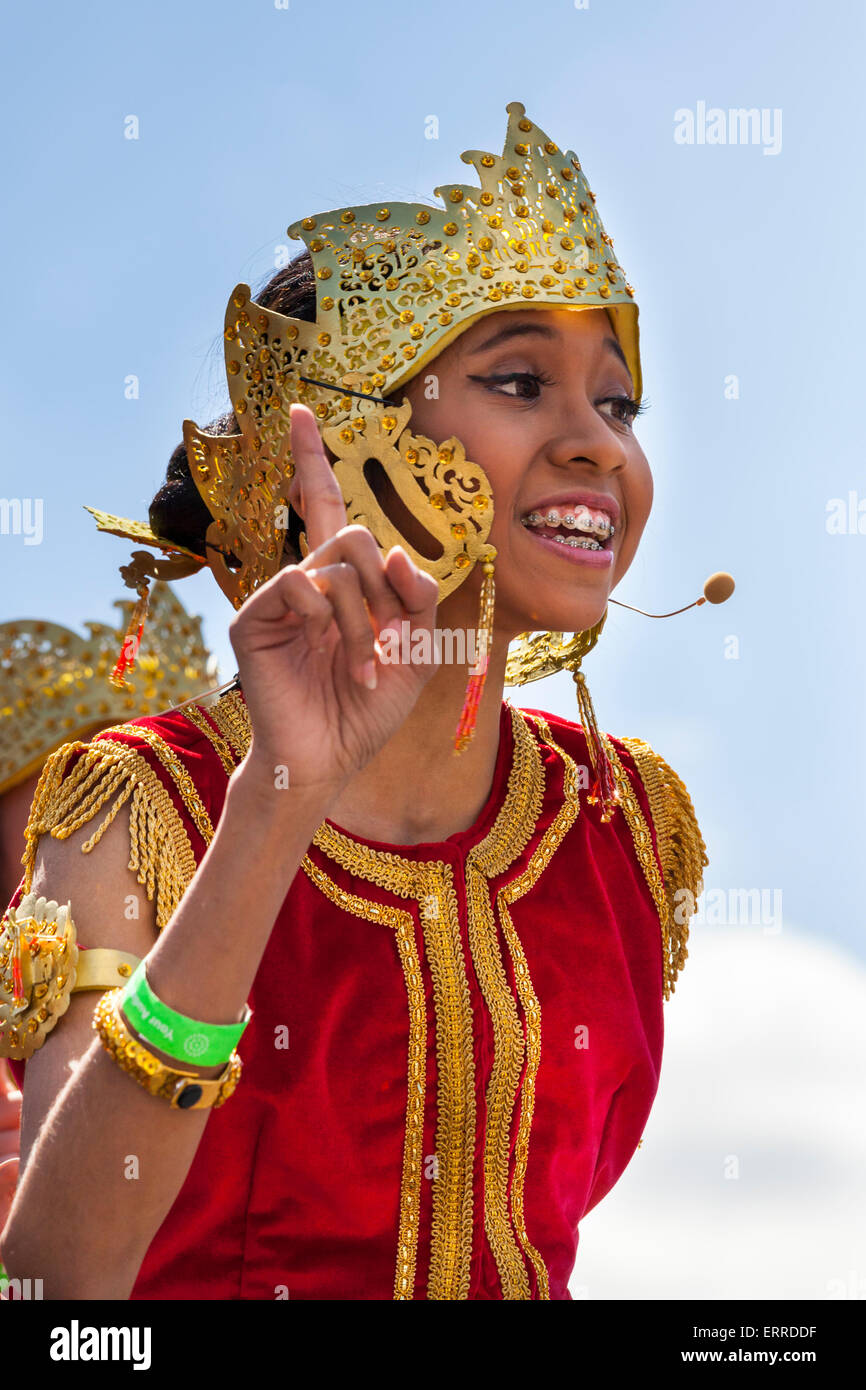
<point>188,1097</point>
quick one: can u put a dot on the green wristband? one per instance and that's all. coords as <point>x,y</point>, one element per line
<point>181,1038</point>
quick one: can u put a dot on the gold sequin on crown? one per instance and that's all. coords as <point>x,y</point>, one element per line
<point>53,685</point>
<point>396,283</point>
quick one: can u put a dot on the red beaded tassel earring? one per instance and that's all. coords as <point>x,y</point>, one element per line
<point>484,634</point>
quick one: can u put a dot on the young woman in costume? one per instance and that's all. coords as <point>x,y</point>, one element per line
<point>395,950</point>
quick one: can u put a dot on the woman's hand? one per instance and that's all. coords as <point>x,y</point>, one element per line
<point>320,703</point>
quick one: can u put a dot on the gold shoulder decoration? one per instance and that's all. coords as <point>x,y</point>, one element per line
<point>682,852</point>
<point>111,773</point>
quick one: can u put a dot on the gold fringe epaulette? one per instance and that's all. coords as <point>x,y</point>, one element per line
<point>160,853</point>
<point>681,850</point>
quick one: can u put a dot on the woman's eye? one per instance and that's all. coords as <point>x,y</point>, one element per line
<point>625,409</point>
<point>526,385</point>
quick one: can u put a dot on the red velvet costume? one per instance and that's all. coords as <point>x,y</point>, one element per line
<point>454,1046</point>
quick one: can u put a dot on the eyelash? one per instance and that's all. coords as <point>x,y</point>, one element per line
<point>632,407</point>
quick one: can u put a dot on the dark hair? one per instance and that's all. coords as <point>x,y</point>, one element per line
<point>177,512</point>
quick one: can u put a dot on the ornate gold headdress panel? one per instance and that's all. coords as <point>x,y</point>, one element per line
<point>54,687</point>
<point>397,283</point>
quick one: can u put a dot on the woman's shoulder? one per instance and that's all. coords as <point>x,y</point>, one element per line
<point>198,743</point>
<point>657,807</point>
<point>659,784</point>
<point>170,769</point>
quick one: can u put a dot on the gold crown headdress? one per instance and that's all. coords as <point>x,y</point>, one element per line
<point>395,284</point>
<point>53,682</point>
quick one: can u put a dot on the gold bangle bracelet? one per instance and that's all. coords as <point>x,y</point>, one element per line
<point>183,1090</point>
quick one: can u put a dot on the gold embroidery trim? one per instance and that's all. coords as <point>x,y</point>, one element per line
<point>451,1230</point>
<point>197,718</point>
<point>681,852</point>
<point>161,855</point>
<point>646,857</point>
<point>497,851</point>
<point>431,884</point>
<point>176,770</point>
<point>502,1087</point>
<point>541,857</point>
<point>232,718</point>
<point>410,1184</point>
<point>520,810</point>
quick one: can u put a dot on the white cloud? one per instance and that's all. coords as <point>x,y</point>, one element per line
<point>763,1067</point>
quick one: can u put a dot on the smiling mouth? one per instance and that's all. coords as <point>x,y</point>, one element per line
<point>579,527</point>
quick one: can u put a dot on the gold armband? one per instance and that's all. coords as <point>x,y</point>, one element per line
<point>184,1090</point>
<point>41,968</point>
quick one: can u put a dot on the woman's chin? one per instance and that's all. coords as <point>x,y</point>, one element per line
<point>557,618</point>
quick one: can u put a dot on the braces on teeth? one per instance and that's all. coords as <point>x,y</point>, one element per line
<point>573,521</point>
<point>578,545</point>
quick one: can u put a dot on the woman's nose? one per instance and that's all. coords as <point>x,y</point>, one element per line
<point>581,434</point>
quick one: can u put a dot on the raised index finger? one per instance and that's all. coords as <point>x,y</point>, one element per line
<point>315,492</point>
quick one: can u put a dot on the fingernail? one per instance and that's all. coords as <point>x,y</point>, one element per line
<point>368,674</point>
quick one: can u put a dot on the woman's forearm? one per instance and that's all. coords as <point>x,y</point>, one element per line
<point>109,1159</point>
<point>207,957</point>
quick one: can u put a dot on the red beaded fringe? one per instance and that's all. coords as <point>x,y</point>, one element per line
<point>132,640</point>
<point>475,686</point>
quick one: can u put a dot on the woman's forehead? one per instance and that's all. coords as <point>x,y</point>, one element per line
<point>552,323</point>
<point>549,319</point>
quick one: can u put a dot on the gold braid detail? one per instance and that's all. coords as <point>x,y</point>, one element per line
<point>451,1234</point>
<point>498,850</point>
<point>160,854</point>
<point>682,852</point>
<point>432,885</point>
<point>232,718</point>
<point>176,770</point>
<point>196,717</point>
<point>413,1158</point>
<point>643,845</point>
<point>541,857</point>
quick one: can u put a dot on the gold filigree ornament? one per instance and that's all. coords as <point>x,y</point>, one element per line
<point>395,284</point>
<point>41,968</point>
<point>435,482</point>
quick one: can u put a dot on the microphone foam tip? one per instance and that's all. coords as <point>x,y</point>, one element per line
<point>719,587</point>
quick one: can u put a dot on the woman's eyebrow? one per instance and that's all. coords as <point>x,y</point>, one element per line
<point>512,331</point>
<point>614,345</point>
<point>515,330</point>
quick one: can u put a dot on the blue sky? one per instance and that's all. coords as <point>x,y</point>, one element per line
<point>120,255</point>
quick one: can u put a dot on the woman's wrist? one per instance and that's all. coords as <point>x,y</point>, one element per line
<point>206,959</point>
<point>266,790</point>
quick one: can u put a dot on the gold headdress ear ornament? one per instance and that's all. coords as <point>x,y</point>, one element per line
<point>395,284</point>
<point>177,563</point>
